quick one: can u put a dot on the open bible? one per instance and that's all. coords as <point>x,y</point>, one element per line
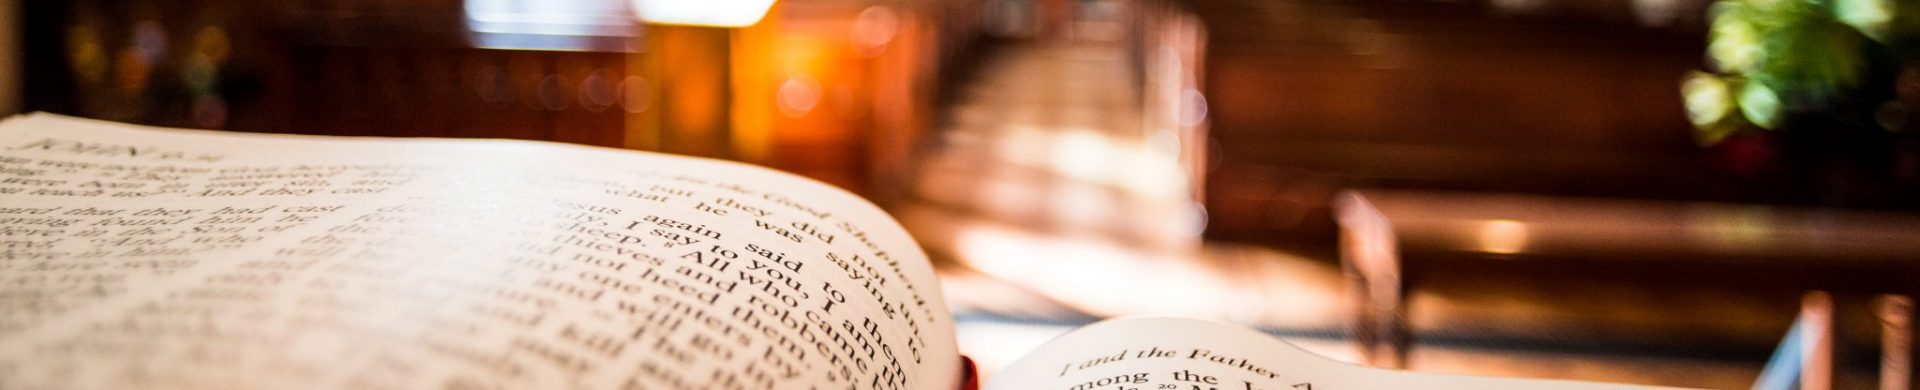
<point>134,257</point>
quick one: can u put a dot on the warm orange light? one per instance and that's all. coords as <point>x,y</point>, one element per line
<point>798,96</point>
<point>1503,236</point>
<point>874,28</point>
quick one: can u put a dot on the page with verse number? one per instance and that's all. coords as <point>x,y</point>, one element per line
<point>1188,354</point>
<point>135,257</point>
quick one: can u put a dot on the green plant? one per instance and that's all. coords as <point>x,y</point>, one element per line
<point>1774,60</point>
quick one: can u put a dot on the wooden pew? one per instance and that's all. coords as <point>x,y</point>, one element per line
<point>1392,240</point>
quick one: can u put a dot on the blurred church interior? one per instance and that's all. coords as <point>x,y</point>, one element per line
<point>1667,192</point>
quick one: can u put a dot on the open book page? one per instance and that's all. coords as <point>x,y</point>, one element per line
<point>144,258</point>
<point>1189,354</point>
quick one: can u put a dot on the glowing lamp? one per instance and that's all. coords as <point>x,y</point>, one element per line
<point>712,13</point>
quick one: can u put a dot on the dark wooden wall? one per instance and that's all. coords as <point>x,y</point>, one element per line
<point>1568,98</point>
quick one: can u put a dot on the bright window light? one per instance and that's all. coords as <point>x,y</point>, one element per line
<point>716,13</point>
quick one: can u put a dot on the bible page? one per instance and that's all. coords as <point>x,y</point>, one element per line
<point>1189,354</point>
<point>136,257</point>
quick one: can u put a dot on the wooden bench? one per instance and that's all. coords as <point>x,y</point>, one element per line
<point>1390,239</point>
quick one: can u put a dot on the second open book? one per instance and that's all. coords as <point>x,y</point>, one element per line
<point>134,257</point>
